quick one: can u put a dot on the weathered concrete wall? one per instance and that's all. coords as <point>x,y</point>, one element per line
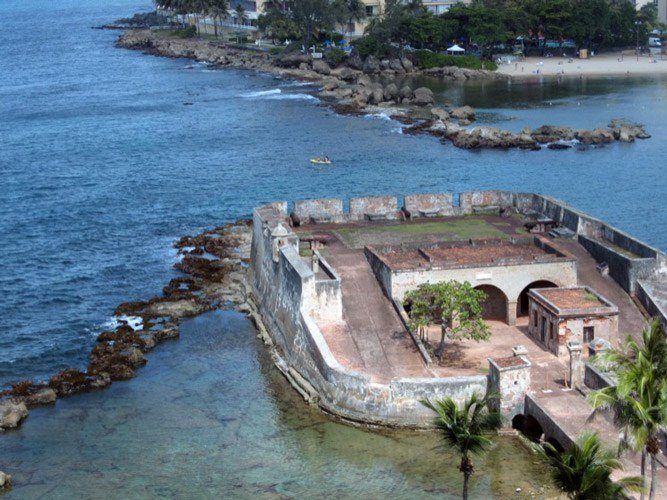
<point>374,208</point>
<point>509,378</point>
<point>328,296</point>
<point>649,298</point>
<point>429,205</point>
<point>511,279</point>
<point>322,210</point>
<point>476,201</point>
<point>624,269</point>
<point>288,298</point>
<point>549,425</point>
<point>595,378</point>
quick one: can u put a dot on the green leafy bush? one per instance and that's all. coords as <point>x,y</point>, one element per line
<point>335,56</point>
<point>276,50</point>
<point>189,32</point>
<point>426,59</point>
<point>370,45</point>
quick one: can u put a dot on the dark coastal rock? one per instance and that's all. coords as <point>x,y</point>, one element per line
<point>559,145</point>
<point>440,114</point>
<point>70,381</point>
<point>396,65</point>
<point>597,136</point>
<point>292,60</point>
<point>423,96</point>
<point>371,65</point>
<point>463,113</point>
<point>627,132</point>
<point>406,92</point>
<point>364,81</point>
<point>355,61</point>
<point>5,482</point>
<point>391,92</point>
<point>12,414</point>
<point>345,74</point>
<point>321,67</point>
<point>552,133</point>
<point>407,64</point>
<point>41,397</point>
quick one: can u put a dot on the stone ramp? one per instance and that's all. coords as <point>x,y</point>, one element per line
<point>373,339</point>
<point>630,319</point>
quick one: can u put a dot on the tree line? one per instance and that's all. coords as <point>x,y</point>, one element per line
<point>215,9</point>
<point>591,24</point>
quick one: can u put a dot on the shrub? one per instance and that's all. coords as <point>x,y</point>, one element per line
<point>426,59</point>
<point>371,46</point>
<point>276,50</point>
<point>189,32</point>
<point>335,56</point>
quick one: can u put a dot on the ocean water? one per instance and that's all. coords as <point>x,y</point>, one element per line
<point>107,156</point>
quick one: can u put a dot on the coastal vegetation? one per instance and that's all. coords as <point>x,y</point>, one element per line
<point>488,26</point>
<point>466,429</point>
<point>584,471</point>
<point>638,401</point>
<point>456,306</point>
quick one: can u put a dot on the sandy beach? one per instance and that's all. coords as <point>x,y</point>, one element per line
<point>606,64</point>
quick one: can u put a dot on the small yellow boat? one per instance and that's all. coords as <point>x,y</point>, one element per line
<point>320,160</point>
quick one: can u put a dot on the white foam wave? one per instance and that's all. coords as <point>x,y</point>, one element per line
<point>134,322</point>
<point>262,93</point>
<point>379,116</point>
<point>277,95</point>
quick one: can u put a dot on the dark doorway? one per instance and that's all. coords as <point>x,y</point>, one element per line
<point>495,305</point>
<point>589,334</point>
<point>522,303</point>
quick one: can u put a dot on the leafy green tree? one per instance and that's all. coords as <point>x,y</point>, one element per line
<point>584,471</point>
<point>456,306</point>
<point>638,401</point>
<point>350,11</point>
<point>466,428</point>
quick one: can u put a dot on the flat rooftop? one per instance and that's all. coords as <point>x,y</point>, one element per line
<point>473,253</point>
<point>573,300</point>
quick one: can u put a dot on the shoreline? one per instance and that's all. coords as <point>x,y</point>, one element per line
<point>351,91</point>
<point>614,64</point>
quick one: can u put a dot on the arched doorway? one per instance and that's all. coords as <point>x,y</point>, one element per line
<point>522,303</point>
<point>495,305</point>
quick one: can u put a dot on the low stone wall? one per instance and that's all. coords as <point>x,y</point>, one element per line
<point>321,210</point>
<point>596,379</point>
<point>374,208</point>
<point>646,296</point>
<point>624,269</point>
<point>429,205</point>
<point>549,425</point>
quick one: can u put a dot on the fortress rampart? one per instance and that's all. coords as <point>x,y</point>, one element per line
<point>294,294</point>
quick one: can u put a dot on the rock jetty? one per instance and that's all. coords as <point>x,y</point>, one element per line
<point>213,264</point>
<point>355,88</point>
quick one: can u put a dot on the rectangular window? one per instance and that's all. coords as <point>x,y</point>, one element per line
<point>535,319</point>
<point>369,10</point>
<point>589,334</point>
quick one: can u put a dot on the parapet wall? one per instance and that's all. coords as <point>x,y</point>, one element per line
<point>628,258</point>
<point>291,302</point>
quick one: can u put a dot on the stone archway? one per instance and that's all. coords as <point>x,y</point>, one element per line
<point>495,305</point>
<point>522,301</point>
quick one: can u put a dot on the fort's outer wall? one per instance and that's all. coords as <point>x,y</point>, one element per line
<point>285,290</point>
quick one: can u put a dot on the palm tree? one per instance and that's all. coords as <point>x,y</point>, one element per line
<point>638,401</point>
<point>584,471</point>
<point>241,16</point>
<point>465,428</point>
<point>350,11</point>
<point>217,9</point>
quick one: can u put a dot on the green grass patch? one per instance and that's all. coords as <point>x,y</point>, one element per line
<point>425,59</point>
<point>393,234</point>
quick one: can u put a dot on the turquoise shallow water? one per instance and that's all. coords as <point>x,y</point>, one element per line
<point>103,167</point>
<point>211,417</point>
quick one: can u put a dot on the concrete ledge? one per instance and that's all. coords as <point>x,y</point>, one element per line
<point>429,205</point>
<point>374,208</point>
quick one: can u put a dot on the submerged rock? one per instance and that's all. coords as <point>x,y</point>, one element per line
<point>463,113</point>
<point>5,482</point>
<point>12,414</point>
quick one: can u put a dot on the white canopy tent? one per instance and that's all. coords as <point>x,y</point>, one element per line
<point>455,49</point>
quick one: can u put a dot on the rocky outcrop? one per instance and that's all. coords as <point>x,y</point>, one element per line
<point>12,414</point>
<point>553,137</point>
<point>353,92</point>
<point>321,67</point>
<point>423,96</point>
<point>216,263</point>
<point>5,482</point>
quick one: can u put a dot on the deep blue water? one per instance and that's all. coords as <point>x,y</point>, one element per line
<point>102,166</point>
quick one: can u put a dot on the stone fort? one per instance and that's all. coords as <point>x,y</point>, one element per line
<point>329,278</point>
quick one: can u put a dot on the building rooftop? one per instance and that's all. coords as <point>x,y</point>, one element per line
<point>573,300</point>
<point>472,253</point>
